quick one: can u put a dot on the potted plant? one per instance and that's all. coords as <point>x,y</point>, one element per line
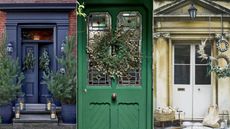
<point>10,82</point>
<point>62,83</point>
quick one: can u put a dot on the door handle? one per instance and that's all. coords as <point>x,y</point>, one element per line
<point>85,90</point>
<point>114,97</point>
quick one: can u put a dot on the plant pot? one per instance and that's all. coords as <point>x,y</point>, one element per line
<point>69,113</point>
<point>6,113</point>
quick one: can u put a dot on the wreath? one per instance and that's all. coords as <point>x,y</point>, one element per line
<point>222,40</point>
<point>29,60</point>
<point>114,53</point>
<point>44,61</point>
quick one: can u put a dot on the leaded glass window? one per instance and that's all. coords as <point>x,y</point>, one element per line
<point>131,20</point>
<point>99,23</point>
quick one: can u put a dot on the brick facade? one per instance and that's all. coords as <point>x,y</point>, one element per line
<point>2,22</point>
<point>37,1</point>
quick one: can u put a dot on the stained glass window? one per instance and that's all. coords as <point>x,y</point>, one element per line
<point>131,20</point>
<point>99,23</point>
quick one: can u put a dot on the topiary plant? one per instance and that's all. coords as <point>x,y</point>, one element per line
<point>10,76</point>
<point>62,83</point>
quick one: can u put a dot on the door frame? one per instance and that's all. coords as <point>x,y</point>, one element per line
<point>20,42</point>
<point>149,46</point>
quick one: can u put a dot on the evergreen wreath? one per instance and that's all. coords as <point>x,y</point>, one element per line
<point>44,61</point>
<point>114,53</point>
<point>29,61</point>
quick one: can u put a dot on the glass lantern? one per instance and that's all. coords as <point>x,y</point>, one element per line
<point>49,103</point>
<point>17,111</point>
<point>21,102</point>
<point>53,112</point>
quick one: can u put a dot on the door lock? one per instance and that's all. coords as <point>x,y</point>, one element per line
<point>198,89</point>
<point>114,96</point>
<point>85,90</point>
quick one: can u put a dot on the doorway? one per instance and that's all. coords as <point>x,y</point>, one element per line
<point>192,91</point>
<point>129,108</point>
<point>37,58</point>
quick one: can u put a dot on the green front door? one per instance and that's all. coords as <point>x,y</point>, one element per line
<point>121,103</point>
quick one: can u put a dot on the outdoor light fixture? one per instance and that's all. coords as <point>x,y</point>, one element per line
<point>21,102</point>
<point>62,70</point>
<point>192,11</point>
<point>53,112</point>
<point>49,103</point>
<point>10,48</point>
<point>17,111</point>
<point>63,47</point>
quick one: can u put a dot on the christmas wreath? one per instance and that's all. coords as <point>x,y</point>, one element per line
<point>114,53</point>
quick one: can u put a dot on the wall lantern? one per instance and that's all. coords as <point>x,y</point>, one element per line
<point>63,47</point>
<point>10,48</point>
<point>192,11</point>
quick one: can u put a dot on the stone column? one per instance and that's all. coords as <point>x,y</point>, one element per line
<point>161,66</point>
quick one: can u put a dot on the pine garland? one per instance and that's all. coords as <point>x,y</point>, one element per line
<point>44,61</point>
<point>29,61</point>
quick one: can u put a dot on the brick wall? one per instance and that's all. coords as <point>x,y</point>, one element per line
<point>2,23</point>
<point>37,1</point>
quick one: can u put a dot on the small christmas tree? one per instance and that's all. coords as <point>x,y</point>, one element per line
<point>10,75</point>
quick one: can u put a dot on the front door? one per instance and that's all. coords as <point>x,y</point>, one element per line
<point>36,58</point>
<point>192,91</point>
<point>97,108</point>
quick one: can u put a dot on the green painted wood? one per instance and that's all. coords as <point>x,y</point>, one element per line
<point>133,108</point>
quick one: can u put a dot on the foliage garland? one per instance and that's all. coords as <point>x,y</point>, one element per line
<point>114,53</point>
<point>44,61</point>
<point>221,72</point>
<point>29,61</point>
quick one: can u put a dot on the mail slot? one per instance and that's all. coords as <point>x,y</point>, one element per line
<point>180,89</point>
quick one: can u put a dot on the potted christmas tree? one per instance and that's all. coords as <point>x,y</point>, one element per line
<point>10,82</point>
<point>62,83</point>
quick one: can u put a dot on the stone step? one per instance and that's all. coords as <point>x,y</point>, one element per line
<point>36,109</point>
<point>34,118</point>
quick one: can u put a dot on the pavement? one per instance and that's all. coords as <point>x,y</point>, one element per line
<point>37,126</point>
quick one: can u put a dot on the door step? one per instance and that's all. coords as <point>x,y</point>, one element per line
<point>35,113</point>
<point>36,109</point>
<point>35,118</point>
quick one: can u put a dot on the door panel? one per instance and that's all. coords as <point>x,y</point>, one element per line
<point>182,98</point>
<point>128,109</point>
<point>43,90</point>
<point>202,100</point>
<point>30,85</point>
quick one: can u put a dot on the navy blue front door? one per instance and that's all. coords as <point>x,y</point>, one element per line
<point>33,87</point>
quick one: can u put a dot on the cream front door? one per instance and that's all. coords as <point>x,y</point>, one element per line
<point>192,91</point>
